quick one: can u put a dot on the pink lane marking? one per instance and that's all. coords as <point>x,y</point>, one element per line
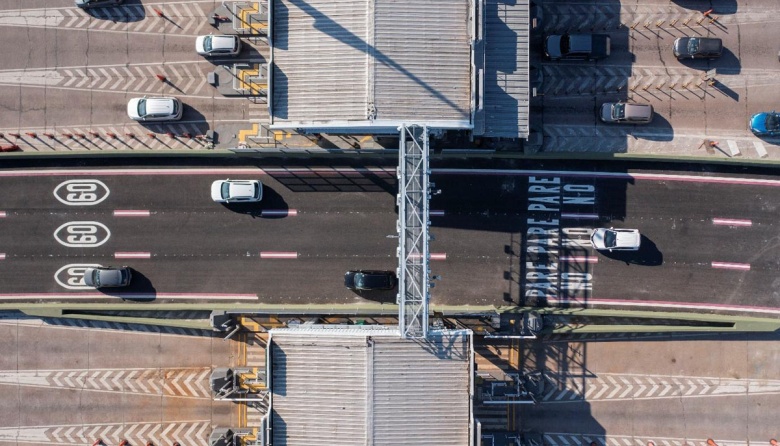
<point>664,304</point>
<point>129,213</point>
<point>3,214</point>
<point>731,222</point>
<point>76,295</point>
<point>192,171</point>
<point>613,175</point>
<point>585,259</point>
<point>279,213</point>
<point>727,265</point>
<point>436,213</point>
<point>580,216</point>
<point>2,256</point>
<point>278,255</point>
<point>132,255</point>
<point>439,256</point>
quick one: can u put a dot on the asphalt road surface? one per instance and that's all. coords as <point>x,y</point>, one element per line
<point>502,237</point>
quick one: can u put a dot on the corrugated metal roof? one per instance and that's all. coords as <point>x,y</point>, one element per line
<point>506,97</point>
<point>389,60</point>
<point>364,389</point>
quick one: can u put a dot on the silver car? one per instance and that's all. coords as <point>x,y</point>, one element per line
<point>107,276</point>
<point>236,191</point>
<point>212,45</point>
<point>614,239</point>
<point>155,109</point>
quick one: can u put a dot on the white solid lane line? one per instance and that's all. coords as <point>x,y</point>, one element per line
<point>731,222</point>
<point>278,255</point>
<point>132,255</point>
<point>131,213</point>
<point>731,265</point>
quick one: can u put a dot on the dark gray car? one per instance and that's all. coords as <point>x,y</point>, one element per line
<point>86,4</point>
<point>370,280</point>
<point>698,47</point>
<point>107,276</point>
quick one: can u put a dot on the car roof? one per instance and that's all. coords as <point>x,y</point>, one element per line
<point>159,106</point>
<point>223,42</point>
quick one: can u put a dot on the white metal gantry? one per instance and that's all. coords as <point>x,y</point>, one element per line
<point>413,222</point>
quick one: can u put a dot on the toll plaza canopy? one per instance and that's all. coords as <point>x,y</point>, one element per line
<point>370,65</point>
<point>354,386</point>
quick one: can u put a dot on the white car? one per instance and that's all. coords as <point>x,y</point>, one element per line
<point>616,239</point>
<point>155,109</point>
<point>236,191</point>
<point>218,45</point>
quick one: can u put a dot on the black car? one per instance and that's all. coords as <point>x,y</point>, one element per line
<point>698,47</point>
<point>86,4</point>
<point>363,280</point>
<point>577,46</point>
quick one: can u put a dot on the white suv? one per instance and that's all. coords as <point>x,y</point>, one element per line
<point>236,191</point>
<point>155,109</point>
<point>616,239</point>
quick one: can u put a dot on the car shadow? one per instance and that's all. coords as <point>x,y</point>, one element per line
<point>248,55</point>
<point>722,7</point>
<point>727,63</point>
<point>647,255</point>
<point>378,296</point>
<point>139,290</point>
<point>271,206</point>
<point>128,12</point>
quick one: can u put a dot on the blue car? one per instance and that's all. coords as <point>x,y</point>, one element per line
<point>765,124</point>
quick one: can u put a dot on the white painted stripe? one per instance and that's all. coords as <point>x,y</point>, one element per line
<point>579,216</point>
<point>71,296</point>
<point>190,171</point>
<point>586,259</point>
<point>132,255</point>
<point>731,222</point>
<point>2,256</point>
<point>279,213</point>
<point>733,148</point>
<point>439,256</point>
<point>760,149</point>
<point>278,255</point>
<point>611,175</point>
<point>727,265</point>
<point>662,304</point>
<point>436,213</point>
<point>3,214</point>
<point>130,213</point>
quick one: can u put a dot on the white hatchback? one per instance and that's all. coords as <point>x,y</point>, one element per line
<point>218,45</point>
<point>616,239</point>
<point>155,109</point>
<point>236,191</point>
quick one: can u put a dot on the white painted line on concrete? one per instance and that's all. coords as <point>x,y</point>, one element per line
<point>3,214</point>
<point>131,213</point>
<point>586,259</point>
<point>436,213</point>
<point>577,216</point>
<point>731,222</point>
<point>733,148</point>
<point>760,149</point>
<point>278,255</point>
<point>132,255</point>
<point>2,256</point>
<point>150,296</point>
<point>439,256</point>
<point>728,265</point>
<point>279,213</point>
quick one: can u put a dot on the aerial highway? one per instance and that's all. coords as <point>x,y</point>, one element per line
<point>501,236</point>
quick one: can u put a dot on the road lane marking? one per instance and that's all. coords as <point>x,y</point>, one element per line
<point>279,213</point>
<point>436,213</point>
<point>577,216</point>
<point>131,213</point>
<point>149,296</point>
<point>132,255</point>
<point>278,255</point>
<point>2,256</point>
<point>3,214</point>
<point>728,265</point>
<point>594,302</point>
<point>432,256</point>
<point>293,171</point>
<point>731,222</point>
<point>197,433</point>
<point>586,259</point>
<point>611,175</point>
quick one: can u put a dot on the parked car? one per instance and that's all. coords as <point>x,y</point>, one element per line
<point>155,109</point>
<point>370,280</point>
<point>107,276</point>
<point>765,123</point>
<point>577,46</point>
<point>212,45</point>
<point>698,47</point>
<point>236,191</point>
<point>614,239</point>
<point>86,4</point>
<point>625,113</point>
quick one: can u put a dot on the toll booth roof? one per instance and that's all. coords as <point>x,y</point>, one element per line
<point>358,387</point>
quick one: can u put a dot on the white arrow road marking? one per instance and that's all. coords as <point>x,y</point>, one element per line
<point>41,17</point>
<point>48,78</point>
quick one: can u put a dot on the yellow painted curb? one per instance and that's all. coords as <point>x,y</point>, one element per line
<point>252,132</point>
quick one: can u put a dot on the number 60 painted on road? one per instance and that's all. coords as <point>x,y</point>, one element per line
<point>81,192</point>
<point>82,234</point>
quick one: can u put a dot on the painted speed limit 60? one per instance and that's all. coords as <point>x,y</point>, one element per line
<point>82,234</point>
<point>81,192</point>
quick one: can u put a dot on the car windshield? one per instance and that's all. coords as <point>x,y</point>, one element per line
<point>207,43</point>
<point>618,111</point>
<point>610,239</point>
<point>257,190</point>
<point>96,277</point>
<point>225,190</point>
<point>693,45</point>
<point>360,280</point>
<point>142,107</point>
<point>772,122</point>
<point>565,44</point>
